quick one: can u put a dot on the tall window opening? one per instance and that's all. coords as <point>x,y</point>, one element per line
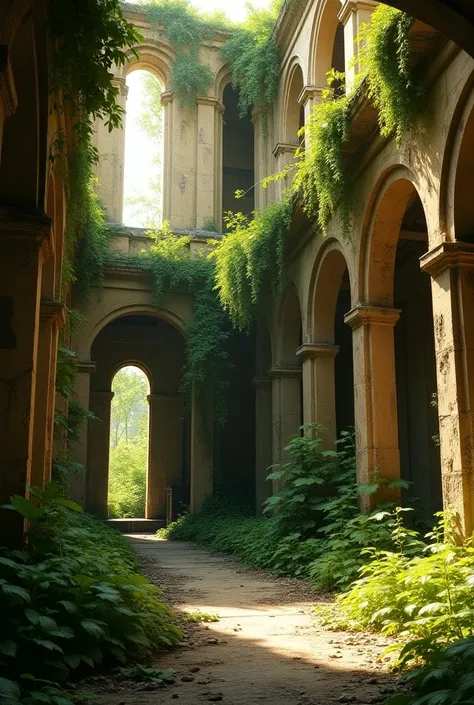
<point>237,156</point>
<point>128,458</point>
<point>143,172</point>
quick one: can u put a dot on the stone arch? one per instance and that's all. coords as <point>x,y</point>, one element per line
<point>223,78</point>
<point>134,362</point>
<point>384,215</point>
<point>157,60</point>
<point>129,310</point>
<point>324,289</point>
<point>322,41</point>
<point>456,203</point>
<point>292,118</point>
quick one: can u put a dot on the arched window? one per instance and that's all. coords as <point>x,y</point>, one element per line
<point>128,458</point>
<point>143,171</point>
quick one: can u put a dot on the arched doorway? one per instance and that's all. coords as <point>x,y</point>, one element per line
<point>156,346</point>
<point>129,436</point>
<point>144,143</point>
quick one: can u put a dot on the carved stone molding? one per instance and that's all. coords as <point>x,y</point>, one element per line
<point>52,310</point>
<point>33,227</point>
<point>285,371</point>
<point>284,148</point>
<point>447,255</point>
<point>314,350</point>
<point>368,315</point>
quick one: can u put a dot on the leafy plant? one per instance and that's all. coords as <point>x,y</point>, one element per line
<point>147,674</point>
<point>250,256</point>
<point>394,87</point>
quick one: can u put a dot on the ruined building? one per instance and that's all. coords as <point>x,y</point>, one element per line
<point>375,330</point>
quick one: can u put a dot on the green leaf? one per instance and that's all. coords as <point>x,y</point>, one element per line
<point>93,628</point>
<point>16,591</point>
<point>49,645</point>
<point>27,508</point>
<point>65,502</point>
<point>9,688</point>
<point>8,648</point>
<point>72,660</point>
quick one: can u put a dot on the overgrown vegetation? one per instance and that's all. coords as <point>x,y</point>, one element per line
<point>71,600</point>
<point>250,256</point>
<point>306,532</point>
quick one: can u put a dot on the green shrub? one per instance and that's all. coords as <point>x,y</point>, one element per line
<point>127,478</point>
<point>72,599</point>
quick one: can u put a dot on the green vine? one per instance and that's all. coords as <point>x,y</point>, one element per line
<point>174,267</point>
<point>186,30</point>
<point>251,254</point>
<point>254,59</point>
<point>394,87</point>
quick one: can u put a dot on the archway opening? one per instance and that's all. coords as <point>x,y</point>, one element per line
<point>289,369</point>
<point>237,156</point>
<point>464,183</point>
<point>128,456</point>
<point>143,170</point>
<point>343,363</point>
<point>294,119</point>
<point>415,363</point>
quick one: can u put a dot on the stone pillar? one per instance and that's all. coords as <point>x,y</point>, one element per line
<point>110,167</point>
<point>78,449</point>
<point>308,98</point>
<point>52,319</point>
<point>202,449</point>
<point>97,476</point>
<point>24,244</point>
<point>286,408</point>
<point>167,102</point>
<point>8,95</point>
<point>263,439</point>
<point>319,392</point>
<point>209,119</point>
<point>284,154</point>
<point>375,394</point>
<point>165,451</point>
<point>353,14</point>
<point>451,265</point>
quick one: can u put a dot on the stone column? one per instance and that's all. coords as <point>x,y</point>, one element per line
<point>78,449</point>
<point>209,118</point>
<point>353,14</point>
<point>165,449</point>
<point>284,154</point>
<point>263,439</point>
<point>308,98</point>
<point>319,393</point>
<point>286,408</point>
<point>97,476</point>
<point>24,244</point>
<point>167,102</point>
<point>110,167</point>
<point>52,319</point>
<point>202,449</point>
<point>375,394</point>
<point>451,265</point>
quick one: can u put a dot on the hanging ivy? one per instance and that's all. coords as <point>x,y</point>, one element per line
<point>249,256</point>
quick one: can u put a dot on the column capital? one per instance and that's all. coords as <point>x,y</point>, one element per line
<point>309,351</point>
<point>368,315</point>
<point>350,6</point>
<point>447,255</point>
<point>309,93</point>
<point>86,367</point>
<point>213,102</point>
<point>285,371</point>
<point>121,83</point>
<point>167,97</point>
<point>105,396</point>
<point>54,311</point>
<point>33,227</point>
<point>284,148</point>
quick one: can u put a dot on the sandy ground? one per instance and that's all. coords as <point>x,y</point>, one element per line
<point>267,647</point>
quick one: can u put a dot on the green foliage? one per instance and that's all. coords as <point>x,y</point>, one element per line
<point>250,256</point>
<point>88,38</point>
<point>253,56</point>
<point>323,178</point>
<point>147,674</point>
<point>446,677</point>
<point>185,30</point>
<point>173,267</point>
<point>313,527</point>
<point>71,600</point>
<point>127,478</point>
<point>197,616</point>
<point>419,596</point>
<point>394,87</point>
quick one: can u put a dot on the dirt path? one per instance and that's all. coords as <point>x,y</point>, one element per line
<point>267,648</point>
